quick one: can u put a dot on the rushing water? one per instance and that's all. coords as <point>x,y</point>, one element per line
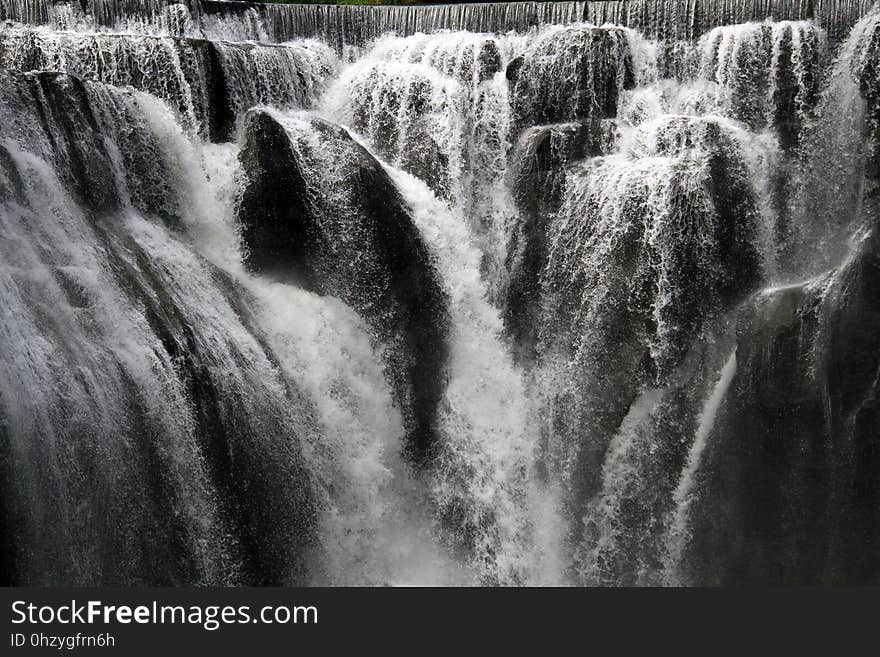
<point>526,293</point>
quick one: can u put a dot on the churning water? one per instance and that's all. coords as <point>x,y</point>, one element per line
<point>526,293</point>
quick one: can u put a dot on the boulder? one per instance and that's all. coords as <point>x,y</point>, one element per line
<point>790,491</point>
<point>318,210</point>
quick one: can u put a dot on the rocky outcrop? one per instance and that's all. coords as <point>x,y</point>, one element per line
<point>540,163</point>
<point>650,247</point>
<point>252,455</point>
<point>571,73</point>
<point>54,114</point>
<point>790,486</point>
<point>318,210</point>
<point>398,111</point>
<point>90,132</point>
<point>767,75</point>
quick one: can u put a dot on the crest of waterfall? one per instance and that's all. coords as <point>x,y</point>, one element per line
<point>208,83</point>
<point>524,293</point>
<point>131,16</point>
<point>357,25</point>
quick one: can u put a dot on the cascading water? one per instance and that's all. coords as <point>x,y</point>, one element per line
<point>208,83</point>
<point>526,293</point>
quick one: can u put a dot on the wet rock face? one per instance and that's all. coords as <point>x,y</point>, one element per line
<point>766,74</point>
<point>669,229</point>
<point>318,210</point>
<point>73,124</point>
<point>790,493</point>
<point>789,488</point>
<point>79,162</point>
<point>544,152</point>
<point>489,60</point>
<point>796,91</point>
<point>400,114</point>
<point>263,486</point>
<point>514,69</point>
<point>650,246</point>
<point>570,74</point>
<point>866,69</point>
<point>423,157</point>
<point>54,109</point>
<point>274,208</point>
<point>202,67</point>
<point>541,160</point>
<point>90,132</point>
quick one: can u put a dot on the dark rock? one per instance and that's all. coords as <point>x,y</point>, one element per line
<point>63,105</point>
<point>514,68</point>
<point>274,211</point>
<point>349,234</point>
<point>790,490</point>
<point>540,162</point>
<point>629,285</point>
<point>422,156</point>
<point>573,74</point>
<point>202,67</point>
<point>489,60</point>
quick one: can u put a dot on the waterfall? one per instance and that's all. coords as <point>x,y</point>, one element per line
<point>208,83</point>
<point>483,481</point>
<point>371,511</point>
<point>356,25</point>
<point>830,195</point>
<point>687,484</point>
<point>540,293</point>
<point>151,381</point>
